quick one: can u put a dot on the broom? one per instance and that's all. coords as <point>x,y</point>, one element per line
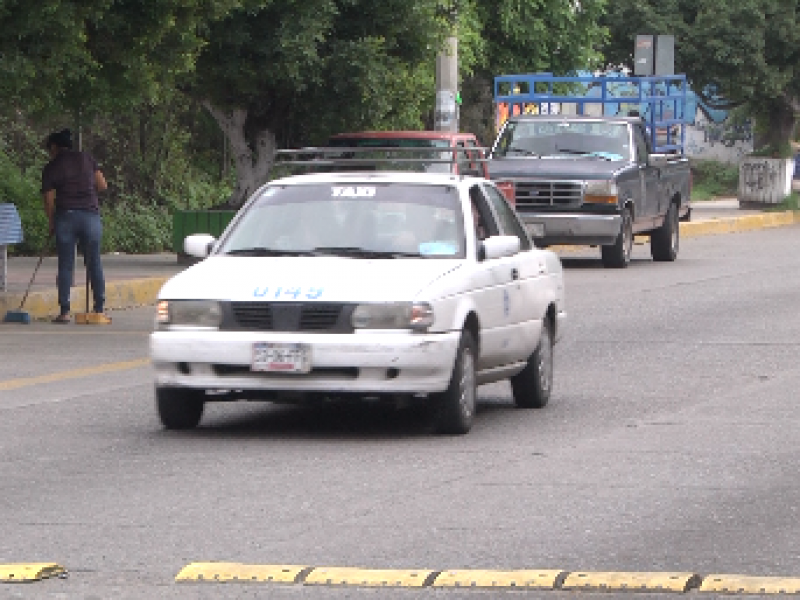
<point>19,315</point>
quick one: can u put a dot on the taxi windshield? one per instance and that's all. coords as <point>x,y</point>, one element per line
<point>564,139</point>
<point>359,220</point>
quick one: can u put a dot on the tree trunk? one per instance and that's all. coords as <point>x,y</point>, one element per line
<point>253,160</point>
<point>778,128</point>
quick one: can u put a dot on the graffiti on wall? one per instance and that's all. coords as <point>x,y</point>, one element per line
<point>758,175</point>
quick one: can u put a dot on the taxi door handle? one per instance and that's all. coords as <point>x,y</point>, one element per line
<point>514,273</point>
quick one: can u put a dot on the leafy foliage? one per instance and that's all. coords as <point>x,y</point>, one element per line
<point>712,179</point>
<point>745,51</point>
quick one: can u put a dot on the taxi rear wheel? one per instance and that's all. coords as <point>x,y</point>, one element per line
<point>532,386</point>
<point>179,408</point>
<point>456,405</point>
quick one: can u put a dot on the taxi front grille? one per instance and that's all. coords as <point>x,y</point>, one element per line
<point>548,193</point>
<point>290,316</point>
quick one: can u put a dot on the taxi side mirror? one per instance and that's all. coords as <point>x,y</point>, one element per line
<point>199,245</point>
<point>499,246</point>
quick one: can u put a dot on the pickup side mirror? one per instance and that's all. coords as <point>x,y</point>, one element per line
<point>659,160</point>
<point>499,246</point>
<point>199,244</point>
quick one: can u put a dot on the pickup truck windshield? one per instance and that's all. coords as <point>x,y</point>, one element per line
<point>355,220</point>
<point>564,139</point>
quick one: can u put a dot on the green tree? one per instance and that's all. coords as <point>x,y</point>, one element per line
<point>746,51</point>
<point>291,72</point>
<point>83,57</point>
<point>523,36</point>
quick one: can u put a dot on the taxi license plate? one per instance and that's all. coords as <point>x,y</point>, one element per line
<point>281,358</point>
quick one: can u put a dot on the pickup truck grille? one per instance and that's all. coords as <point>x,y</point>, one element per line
<point>548,193</point>
<point>290,316</point>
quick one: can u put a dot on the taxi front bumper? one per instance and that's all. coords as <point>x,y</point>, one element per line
<point>363,363</point>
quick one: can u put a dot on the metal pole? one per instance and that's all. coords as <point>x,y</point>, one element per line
<point>446,113</point>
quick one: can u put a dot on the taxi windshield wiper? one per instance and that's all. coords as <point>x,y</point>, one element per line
<point>358,252</point>
<point>263,251</point>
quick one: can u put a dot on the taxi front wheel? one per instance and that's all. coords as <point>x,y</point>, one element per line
<point>456,405</point>
<point>179,408</point>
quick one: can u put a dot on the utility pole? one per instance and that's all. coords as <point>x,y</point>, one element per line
<point>446,112</point>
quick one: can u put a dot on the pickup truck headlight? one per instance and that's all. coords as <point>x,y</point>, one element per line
<point>205,314</point>
<point>601,192</point>
<point>393,315</point>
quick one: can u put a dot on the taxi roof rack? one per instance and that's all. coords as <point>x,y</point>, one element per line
<point>373,158</point>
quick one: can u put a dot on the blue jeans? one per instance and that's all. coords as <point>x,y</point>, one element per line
<point>85,226</point>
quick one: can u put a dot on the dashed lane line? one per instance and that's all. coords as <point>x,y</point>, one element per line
<point>543,579</point>
<point>15,384</point>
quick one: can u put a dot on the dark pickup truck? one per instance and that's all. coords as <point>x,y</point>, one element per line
<point>593,181</point>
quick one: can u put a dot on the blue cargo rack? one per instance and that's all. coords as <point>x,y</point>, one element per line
<point>660,101</point>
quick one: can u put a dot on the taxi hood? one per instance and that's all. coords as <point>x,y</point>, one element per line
<point>296,279</point>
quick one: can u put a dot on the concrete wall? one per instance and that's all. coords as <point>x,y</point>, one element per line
<point>764,180</point>
<point>726,141</point>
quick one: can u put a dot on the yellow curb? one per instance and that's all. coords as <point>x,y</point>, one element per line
<point>27,572</point>
<point>542,579</point>
<point>640,582</point>
<point>738,224</point>
<point>119,294</point>
<point>238,573</point>
<point>742,584</point>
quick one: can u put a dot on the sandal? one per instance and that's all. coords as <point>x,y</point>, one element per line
<point>61,319</point>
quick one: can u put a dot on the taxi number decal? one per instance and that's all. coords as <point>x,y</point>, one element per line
<point>353,192</point>
<point>294,293</point>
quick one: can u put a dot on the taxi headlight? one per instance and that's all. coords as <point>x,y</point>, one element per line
<point>205,314</point>
<point>601,192</point>
<point>393,315</point>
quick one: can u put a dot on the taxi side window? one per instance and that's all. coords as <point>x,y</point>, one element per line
<point>483,221</point>
<point>509,223</point>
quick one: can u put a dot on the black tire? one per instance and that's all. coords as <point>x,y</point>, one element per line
<point>618,254</point>
<point>456,405</point>
<point>533,385</point>
<point>665,241</point>
<point>179,408</point>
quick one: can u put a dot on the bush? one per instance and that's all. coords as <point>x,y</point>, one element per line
<point>22,190</point>
<point>134,227</point>
<point>711,179</point>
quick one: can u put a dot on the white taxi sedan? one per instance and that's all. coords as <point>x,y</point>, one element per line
<point>380,285</point>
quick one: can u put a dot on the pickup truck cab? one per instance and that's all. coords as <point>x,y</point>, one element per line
<point>385,285</point>
<point>592,181</point>
<point>467,152</point>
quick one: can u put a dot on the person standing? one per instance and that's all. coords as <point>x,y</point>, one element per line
<point>70,183</point>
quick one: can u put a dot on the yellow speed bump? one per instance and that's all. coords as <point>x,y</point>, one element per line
<point>369,577</point>
<point>29,572</point>
<point>541,579</point>
<point>234,572</point>
<point>633,581</point>
<point>741,584</point>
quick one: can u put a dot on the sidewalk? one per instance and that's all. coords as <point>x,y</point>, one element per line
<point>134,280</point>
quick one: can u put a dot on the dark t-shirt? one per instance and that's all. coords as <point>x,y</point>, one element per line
<point>71,175</point>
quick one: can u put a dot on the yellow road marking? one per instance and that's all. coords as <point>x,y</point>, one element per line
<point>613,581</point>
<point>368,577</point>
<point>15,384</point>
<point>541,579</point>
<point>741,584</point>
<point>23,572</point>
<point>234,572</point>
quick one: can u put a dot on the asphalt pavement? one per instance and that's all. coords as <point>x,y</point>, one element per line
<point>134,280</point>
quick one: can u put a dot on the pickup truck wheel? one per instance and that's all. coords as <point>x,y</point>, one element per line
<point>665,241</point>
<point>456,405</point>
<point>179,408</point>
<point>532,386</point>
<point>618,254</point>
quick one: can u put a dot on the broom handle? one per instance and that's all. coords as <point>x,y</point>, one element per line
<point>38,264</point>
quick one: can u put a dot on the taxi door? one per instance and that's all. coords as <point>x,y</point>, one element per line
<point>526,290</point>
<point>494,289</point>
